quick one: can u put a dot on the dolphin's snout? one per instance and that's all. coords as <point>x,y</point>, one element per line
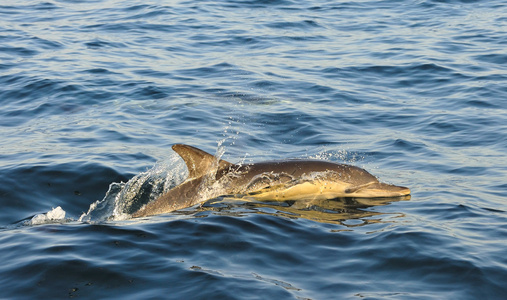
<point>380,190</point>
<point>392,190</point>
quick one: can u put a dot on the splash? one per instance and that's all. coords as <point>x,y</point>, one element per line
<point>123,199</point>
<point>343,155</point>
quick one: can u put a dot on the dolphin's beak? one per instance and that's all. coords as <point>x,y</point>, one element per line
<point>382,190</point>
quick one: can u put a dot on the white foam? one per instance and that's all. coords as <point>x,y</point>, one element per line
<point>55,215</point>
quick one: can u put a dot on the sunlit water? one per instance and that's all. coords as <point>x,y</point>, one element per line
<point>94,93</point>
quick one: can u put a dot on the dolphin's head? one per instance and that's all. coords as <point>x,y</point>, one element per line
<point>377,190</point>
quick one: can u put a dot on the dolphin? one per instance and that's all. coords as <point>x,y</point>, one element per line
<point>210,177</point>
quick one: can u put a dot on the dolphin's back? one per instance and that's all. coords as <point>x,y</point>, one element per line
<point>300,168</point>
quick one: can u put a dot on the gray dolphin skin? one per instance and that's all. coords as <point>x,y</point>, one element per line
<point>209,178</point>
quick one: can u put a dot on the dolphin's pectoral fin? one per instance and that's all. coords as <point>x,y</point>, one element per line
<point>198,162</point>
<point>356,188</point>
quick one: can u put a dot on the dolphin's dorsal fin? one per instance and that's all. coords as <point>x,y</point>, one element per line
<point>198,162</point>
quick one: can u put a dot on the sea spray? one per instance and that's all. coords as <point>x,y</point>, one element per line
<point>123,199</point>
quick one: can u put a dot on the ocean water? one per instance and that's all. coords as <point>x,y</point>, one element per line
<point>94,93</point>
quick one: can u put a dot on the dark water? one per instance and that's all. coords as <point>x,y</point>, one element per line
<point>94,93</point>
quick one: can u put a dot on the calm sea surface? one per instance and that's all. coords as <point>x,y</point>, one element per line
<point>94,93</point>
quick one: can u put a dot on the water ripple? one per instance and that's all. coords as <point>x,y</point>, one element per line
<point>94,93</point>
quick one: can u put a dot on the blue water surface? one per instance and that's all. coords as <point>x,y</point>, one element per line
<point>94,93</point>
